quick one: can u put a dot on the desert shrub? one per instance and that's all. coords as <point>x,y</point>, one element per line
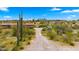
<point>28,43</point>
<point>14,32</point>
<point>51,35</point>
<point>69,38</point>
<point>11,42</point>
<point>57,31</point>
<point>44,29</point>
<point>24,40</point>
<point>3,46</point>
<point>17,48</point>
<point>6,33</point>
<point>28,31</point>
<point>43,25</point>
<point>27,34</point>
<point>0,31</point>
<point>72,44</point>
<point>21,48</point>
<point>59,38</point>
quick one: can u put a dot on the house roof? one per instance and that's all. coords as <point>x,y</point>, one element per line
<point>13,24</point>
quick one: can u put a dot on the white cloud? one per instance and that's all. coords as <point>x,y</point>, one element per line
<point>7,17</point>
<point>69,11</point>
<point>77,10</point>
<point>4,8</point>
<point>66,11</point>
<point>55,8</point>
<point>69,17</point>
<point>73,15</point>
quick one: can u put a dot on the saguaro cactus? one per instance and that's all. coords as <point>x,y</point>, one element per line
<point>21,26</point>
<point>19,29</point>
<point>18,37</point>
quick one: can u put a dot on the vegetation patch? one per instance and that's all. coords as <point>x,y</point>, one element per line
<point>62,32</point>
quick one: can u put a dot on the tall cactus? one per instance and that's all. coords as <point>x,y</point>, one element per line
<point>19,29</point>
<point>18,37</point>
<point>21,26</point>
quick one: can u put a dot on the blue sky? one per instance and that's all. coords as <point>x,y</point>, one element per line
<point>69,13</point>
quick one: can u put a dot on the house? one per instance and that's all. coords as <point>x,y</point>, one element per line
<point>29,24</point>
<point>15,24</point>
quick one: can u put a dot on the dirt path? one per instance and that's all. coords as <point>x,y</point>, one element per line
<point>41,43</point>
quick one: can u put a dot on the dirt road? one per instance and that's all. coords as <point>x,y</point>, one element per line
<point>41,43</point>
